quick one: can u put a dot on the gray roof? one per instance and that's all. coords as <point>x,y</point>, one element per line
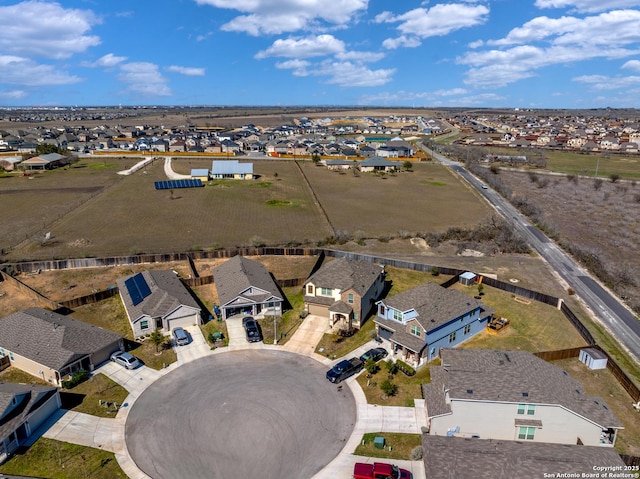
<point>516,377</point>
<point>401,336</point>
<point>239,273</point>
<point>230,167</point>
<point>455,457</point>
<point>345,274</point>
<point>378,161</point>
<point>167,294</point>
<point>51,339</point>
<point>30,397</point>
<point>435,305</point>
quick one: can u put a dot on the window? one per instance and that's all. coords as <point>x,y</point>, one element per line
<point>2,353</point>
<point>467,329</point>
<point>144,324</point>
<point>355,316</point>
<point>310,289</point>
<point>452,337</point>
<point>526,433</point>
<point>382,310</point>
<point>416,330</point>
<point>350,298</point>
<point>397,315</point>
<point>529,409</point>
<point>326,291</point>
<point>10,355</point>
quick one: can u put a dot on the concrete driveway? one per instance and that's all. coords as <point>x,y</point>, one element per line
<point>306,338</point>
<point>250,413</point>
<point>196,349</point>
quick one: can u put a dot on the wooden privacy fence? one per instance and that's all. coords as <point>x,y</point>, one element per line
<point>90,298</point>
<point>41,300</point>
<point>559,354</point>
<point>573,319</point>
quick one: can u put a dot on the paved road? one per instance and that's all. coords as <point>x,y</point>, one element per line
<point>608,309</point>
<point>252,413</point>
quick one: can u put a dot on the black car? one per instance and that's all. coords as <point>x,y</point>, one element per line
<point>344,369</point>
<point>252,329</point>
<point>376,354</point>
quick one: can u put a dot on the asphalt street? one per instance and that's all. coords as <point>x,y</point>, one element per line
<point>619,320</point>
<point>252,413</point>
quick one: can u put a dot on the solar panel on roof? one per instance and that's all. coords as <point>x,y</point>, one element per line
<point>138,288</point>
<point>175,184</point>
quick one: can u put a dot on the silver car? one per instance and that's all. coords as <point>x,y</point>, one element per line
<point>125,359</point>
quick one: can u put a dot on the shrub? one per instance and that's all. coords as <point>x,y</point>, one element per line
<point>597,184</point>
<point>79,377</point>
<point>416,453</point>
<point>388,387</point>
<point>390,366</point>
<point>371,366</point>
<point>435,271</point>
<point>405,368</point>
<point>614,177</point>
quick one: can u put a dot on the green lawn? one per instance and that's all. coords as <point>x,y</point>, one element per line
<point>86,396</point>
<point>401,445</point>
<point>286,324</point>
<point>61,460</point>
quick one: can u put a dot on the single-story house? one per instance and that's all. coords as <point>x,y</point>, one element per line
<point>420,321</point>
<point>340,164</point>
<point>454,457</point>
<point>43,162</point>
<point>157,299</point>
<point>246,287</point>
<point>23,409</point>
<point>51,346</point>
<point>10,162</point>
<point>344,290</point>
<point>231,169</point>
<point>201,174</point>
<point>513,396</point>
<point>377,163</point>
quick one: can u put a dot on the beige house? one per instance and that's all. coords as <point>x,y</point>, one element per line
<point>344,291</point>
<point>513,396</point>
<point>52,347</point>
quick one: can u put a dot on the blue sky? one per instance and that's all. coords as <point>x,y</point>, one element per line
<point>471,53</point>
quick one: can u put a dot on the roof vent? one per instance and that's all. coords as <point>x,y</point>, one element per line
<point>525,395</point>
<point>469,391</point>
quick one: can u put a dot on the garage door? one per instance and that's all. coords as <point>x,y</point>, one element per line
<point>182,322</point>
<point>319,310</point>
<point>43,413</point>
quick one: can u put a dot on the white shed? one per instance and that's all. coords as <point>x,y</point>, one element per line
<point>468,278</point>
<point>593,358</point>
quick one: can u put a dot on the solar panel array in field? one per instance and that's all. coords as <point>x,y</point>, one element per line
<point>175,184</point>
<point>138,288</point>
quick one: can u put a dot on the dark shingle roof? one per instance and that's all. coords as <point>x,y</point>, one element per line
<point>29,396</point>
<point>454,457</point>
<point>435,305</point>
<point>239,273</point>
<point>51,339</point>
<point>516,377</point>
<point>167,293</point>
<point>344,274</point>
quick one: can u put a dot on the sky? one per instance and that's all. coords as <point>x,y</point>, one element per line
<point>394,53</point>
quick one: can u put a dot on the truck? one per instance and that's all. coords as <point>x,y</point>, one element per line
<point>379,470</point>
<point>345,369</point>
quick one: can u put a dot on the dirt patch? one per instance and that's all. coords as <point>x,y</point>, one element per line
<point>13,299</point>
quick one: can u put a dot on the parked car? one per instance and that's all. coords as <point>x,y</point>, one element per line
<point>125,359</point>
<point>181,336</point>
<point>484,187</point>
<point>379,470</point>
<point>252,329</point>
<point>344,369</point>
<point>376,354</point>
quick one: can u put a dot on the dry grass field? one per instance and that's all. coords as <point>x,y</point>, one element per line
<point>429,198</point>
<point>603,222</point>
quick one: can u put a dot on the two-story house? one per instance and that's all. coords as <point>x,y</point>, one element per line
<point>344,291</point>
<point>514,396</point>
<point>424,319</point>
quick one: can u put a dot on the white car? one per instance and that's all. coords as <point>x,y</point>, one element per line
<point>483,186</point>
<point>125,359</point>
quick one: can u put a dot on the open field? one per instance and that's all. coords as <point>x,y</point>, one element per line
<point>130,217</point>
<point>429,198</point>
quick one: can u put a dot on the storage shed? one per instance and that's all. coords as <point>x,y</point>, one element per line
<point>593,358</point>
<point>468,278</point>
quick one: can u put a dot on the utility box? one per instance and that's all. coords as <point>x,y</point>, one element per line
<point>378,442</point>
<point>593,358</point>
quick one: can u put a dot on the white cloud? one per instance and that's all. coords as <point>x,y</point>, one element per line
<point>632,65</point>
<point>587,5</point>
<point>46,29</point>
<point>454,97</point>
<point>106,61</point>
<point>298,67</point>
<point>347,74</point>
<point>280,16</point>
<point>23,71</point>
<point>188,71</point>
<point>362,57</point>
<point>595,30</point>
<point>144,78</point>
<point>13,94</point>
<point>603,82</point>
<point>400,42</point>
<point>320,45</point>
<point>203,37</point>
<point>438,20</point>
